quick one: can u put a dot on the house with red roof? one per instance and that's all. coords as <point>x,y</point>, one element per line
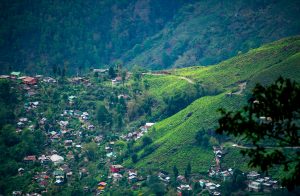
<point>116,168</point>
<point>30,158</point>
<point>29,80</point>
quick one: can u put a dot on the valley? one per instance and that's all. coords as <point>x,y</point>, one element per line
<point>139,132</point>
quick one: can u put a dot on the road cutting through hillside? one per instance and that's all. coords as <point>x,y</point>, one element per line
<point>267,147</point>
<point>180,77</point>
<point>187,79</point>
<point>242,87</point>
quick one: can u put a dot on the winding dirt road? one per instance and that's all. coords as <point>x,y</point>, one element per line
<point>267,147</point>
<point>187,79</point>
<point>180,77</point>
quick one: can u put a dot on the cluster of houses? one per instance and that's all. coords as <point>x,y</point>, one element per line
<point>137,134</point>
<point>31,105</point>
<point>215,170</point>
<point>45,159</point>
<point>70,141</point>
<point>117,173</point>
<point>28,80</point>
<point>254,180</point>
<point>64,137</point>
<point>22,122</point>
<point>164,177</point>
<point>56,165</point>
<point>109,148</point>
<point>183,185</point>
<point>49,80</point>
<point>30,83</point>
<point>61,170</point>
<point>80,80</point>
<point>56,176</point>
<point>213,188</point>
<point>116,81</point>
<point>43,178</point>
<point>257,183</point>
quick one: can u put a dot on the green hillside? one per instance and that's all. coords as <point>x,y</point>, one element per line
<point>37,36</point>
<point>174,137</point>
<point>207,32</point>
<point>281,57</point>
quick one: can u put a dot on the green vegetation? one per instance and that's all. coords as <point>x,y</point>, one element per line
<point>45,36</point>
<point>270,124</point>
<point>95,121</point>
<point>207,32</point>
<point>71,37</point>
<point>14,146</point>
<point>174,137</point>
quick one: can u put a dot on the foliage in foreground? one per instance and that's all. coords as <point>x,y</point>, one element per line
<point>270,122</point>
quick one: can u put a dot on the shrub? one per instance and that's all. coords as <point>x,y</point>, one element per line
<point>134,158</point>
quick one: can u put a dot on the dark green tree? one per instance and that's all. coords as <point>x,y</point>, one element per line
<point>189,168</point>
<point>112,72</point>
<point>270,123</point>
<point>134,158</point>
<point>137,72</point>
<point>146,84</point>
<point>199,136</point>
<point>123,75</point>
<point>175,171</point>
<point>54,69</point>
<point>91,150</point>
<point>146,141</point>
<point>63,71</point>
<point>96,75</point>
<point>120,122</point>
<point>58,71</point>
<point>156,186</point>
<point>102,115</point>
<point>166,60</point>
<point>8,136</point>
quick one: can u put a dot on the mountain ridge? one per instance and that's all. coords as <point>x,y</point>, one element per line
<point>153,34</point>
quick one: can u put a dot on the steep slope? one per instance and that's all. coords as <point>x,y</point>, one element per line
<point>36,36</point>
<point>224,76</point>
<point>207,32</point>
<point>174,137</point>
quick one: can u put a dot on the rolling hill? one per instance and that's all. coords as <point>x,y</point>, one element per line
<point>174,138</point>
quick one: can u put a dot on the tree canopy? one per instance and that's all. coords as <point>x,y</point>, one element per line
<point>270,124</point>
<point>102,115</point>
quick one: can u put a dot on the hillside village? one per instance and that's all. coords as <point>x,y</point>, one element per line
<point>150,98</point>
<point>91,157</point>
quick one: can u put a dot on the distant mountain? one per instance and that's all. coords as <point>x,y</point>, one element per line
<point>207,32</point>
<point>36,36</point>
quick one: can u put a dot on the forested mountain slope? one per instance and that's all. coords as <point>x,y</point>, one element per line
<point>174,140</point>
<point>36,36</point>
<point>207,32</point>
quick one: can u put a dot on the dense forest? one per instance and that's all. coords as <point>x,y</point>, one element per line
<point>36,36</point>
